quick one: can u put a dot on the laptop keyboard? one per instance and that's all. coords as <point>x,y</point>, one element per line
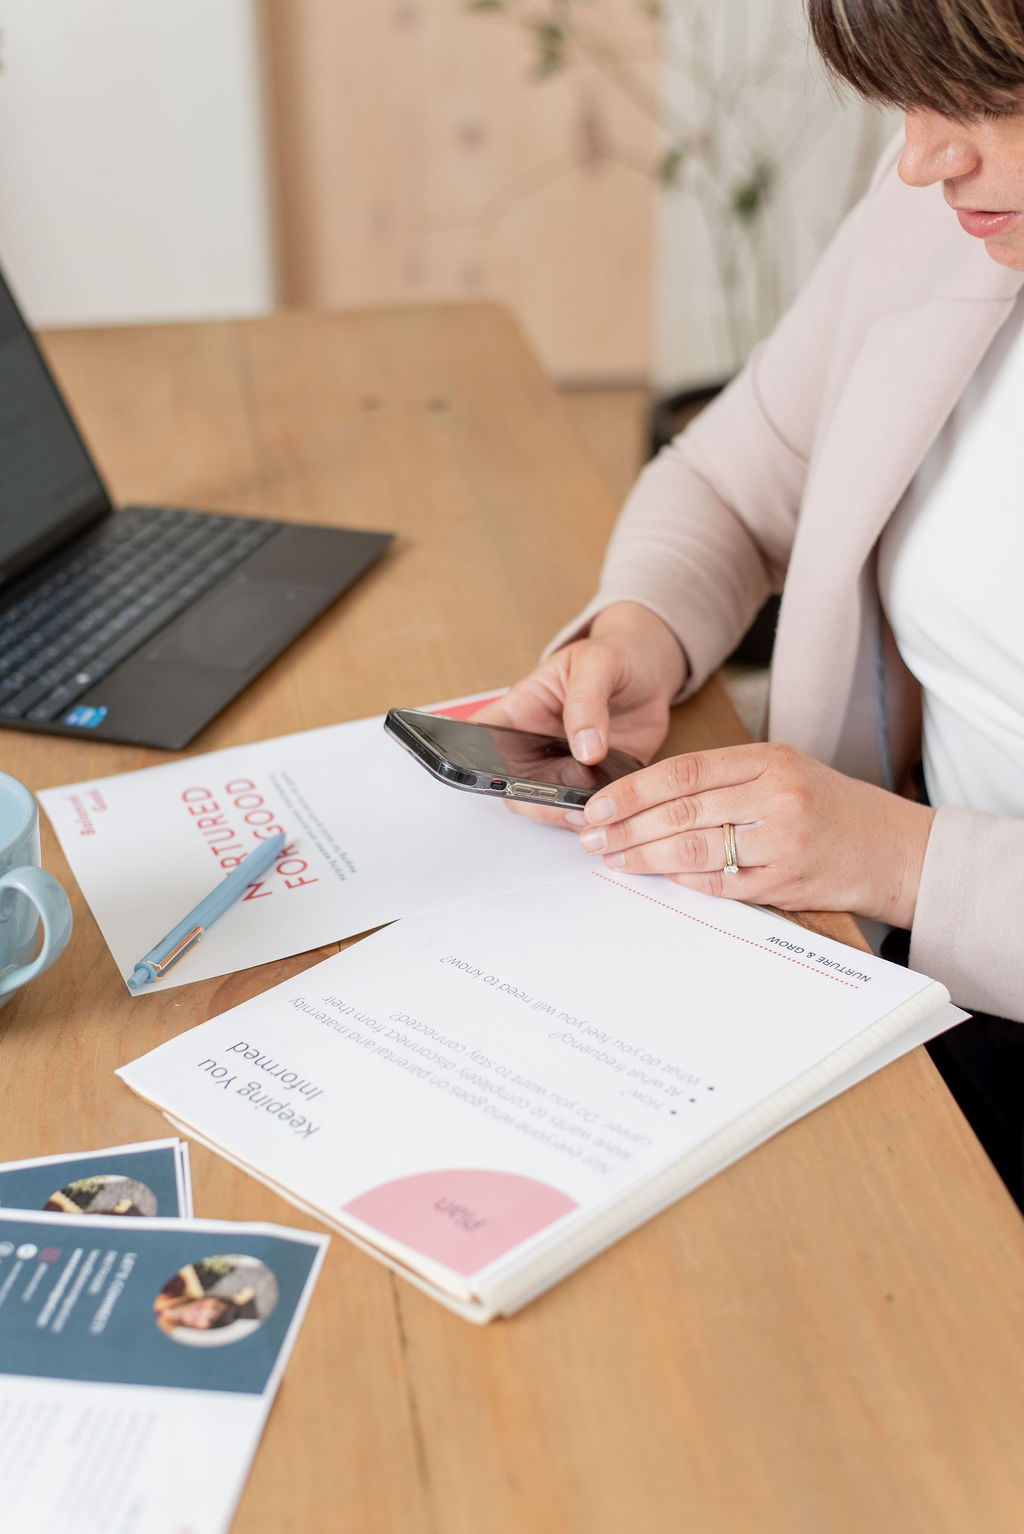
<point>101,604</point>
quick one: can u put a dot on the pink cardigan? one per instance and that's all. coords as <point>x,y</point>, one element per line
<point>791,474</point>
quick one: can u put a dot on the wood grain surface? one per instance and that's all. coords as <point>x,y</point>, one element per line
<point>827,1338</point>
<point>415,155</point>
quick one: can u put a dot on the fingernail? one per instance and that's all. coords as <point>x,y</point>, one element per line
<point>594,841</point>
<point>586,746</point>
<point>601,809</point>
<point>615,860</point>
<point>575,818</point>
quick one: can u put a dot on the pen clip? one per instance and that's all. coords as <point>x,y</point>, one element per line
<point>176,952</point>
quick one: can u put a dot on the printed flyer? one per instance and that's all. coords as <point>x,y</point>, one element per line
<point>489,1094</point>
<point>371,837</point>
<point>130,1349</point>
<point>142,1180</point>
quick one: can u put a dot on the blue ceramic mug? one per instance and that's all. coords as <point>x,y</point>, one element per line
<point>28,896</point>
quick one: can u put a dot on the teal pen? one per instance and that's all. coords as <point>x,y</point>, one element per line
<point>191,927</point>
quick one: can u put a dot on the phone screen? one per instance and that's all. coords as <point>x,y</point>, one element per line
<point>506,755</point>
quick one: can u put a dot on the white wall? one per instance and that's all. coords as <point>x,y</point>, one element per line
<point>132,179</point>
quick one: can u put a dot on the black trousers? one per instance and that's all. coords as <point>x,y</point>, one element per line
<point>982,1063</point>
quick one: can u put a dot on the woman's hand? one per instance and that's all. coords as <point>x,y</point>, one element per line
<point>807,837</point>
<point>614,686</point>
<point>618,681</point>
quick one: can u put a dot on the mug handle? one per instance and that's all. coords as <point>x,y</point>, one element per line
<point>54,909</point>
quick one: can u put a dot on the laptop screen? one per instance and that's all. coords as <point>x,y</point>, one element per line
<point>49,488</point>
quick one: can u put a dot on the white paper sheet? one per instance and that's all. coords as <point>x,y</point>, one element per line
<point>467,1087</point>
<point>371,836</point>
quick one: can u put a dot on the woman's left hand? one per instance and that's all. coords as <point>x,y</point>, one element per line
<point>807,837</point>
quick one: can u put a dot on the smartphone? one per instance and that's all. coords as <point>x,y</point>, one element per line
<point>513,764</point>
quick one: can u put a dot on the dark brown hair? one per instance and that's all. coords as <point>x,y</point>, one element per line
<point>962,58</point>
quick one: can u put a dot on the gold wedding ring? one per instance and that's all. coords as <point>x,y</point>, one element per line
<point>731,865</point>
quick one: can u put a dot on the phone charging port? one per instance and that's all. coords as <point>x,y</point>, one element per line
<point>498,783</point>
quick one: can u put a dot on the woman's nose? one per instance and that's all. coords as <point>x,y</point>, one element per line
<point>936,149</point>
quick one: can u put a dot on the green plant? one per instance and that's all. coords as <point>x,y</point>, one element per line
<point>739,110</point>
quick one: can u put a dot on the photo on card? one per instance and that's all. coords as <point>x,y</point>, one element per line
<point>216,1300</point>
<point>107,1193</point>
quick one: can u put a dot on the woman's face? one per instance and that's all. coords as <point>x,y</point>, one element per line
<point>981,167</point>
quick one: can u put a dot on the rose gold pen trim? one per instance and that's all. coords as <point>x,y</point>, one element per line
<point>178,949</point>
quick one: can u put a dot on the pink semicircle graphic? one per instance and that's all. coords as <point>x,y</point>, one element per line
<point>461,1218</point>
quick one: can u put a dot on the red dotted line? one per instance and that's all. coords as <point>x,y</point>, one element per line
<point>823,974</point>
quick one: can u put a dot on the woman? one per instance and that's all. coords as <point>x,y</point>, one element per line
<point>869,455</point>
<point>214,1292</point>
<point>205,1314</point>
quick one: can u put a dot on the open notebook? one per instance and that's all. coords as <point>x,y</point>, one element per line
<point>487,1095</point>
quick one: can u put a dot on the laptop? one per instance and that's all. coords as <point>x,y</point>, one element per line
<point>137,623</point>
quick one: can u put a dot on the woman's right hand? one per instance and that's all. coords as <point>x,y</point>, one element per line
<point>612,688</point>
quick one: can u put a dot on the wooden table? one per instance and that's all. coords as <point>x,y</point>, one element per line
<point>829,1336</point>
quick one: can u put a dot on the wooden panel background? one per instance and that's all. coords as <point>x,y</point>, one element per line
<point>414,157</point>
